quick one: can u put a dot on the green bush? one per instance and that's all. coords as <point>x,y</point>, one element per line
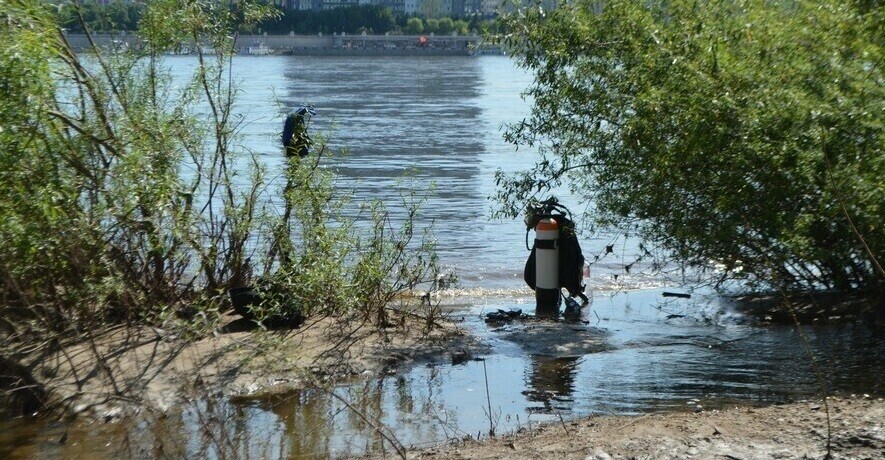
<point>746,133</point>
<point>332,267</point>
<point>122,199</point>
<point>414,26</point>
<point>445,26</point>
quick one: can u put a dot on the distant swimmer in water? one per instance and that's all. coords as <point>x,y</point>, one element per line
<point>295,138</point>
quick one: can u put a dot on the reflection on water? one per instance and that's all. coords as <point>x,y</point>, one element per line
<point>649,360</point>
<point>440,116</point>
<point>437,120</point>
<point>551,380</point>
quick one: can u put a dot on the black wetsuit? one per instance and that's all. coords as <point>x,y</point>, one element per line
<point>295,138</point>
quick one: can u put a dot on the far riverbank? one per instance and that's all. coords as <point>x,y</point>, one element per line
<point>322,45</point>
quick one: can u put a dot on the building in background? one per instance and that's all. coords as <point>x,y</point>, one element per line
<point>333,4</point>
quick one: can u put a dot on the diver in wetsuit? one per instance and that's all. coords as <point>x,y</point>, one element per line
<point>295,138</point>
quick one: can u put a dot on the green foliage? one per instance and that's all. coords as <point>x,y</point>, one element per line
<point>461,27</point>
<point>113,17</point>
<point>414,26</point>
<point>372,19</point>
<point>337,268</point>
<point>126,198</point>
<point>445,26</point>
<point>167,23</point>
<point>353,19</point>
<point>746,132</point>
<point>430,25</point>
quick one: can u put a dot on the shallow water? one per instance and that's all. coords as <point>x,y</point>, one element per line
<point>428,125</point>
<point>638,353</point>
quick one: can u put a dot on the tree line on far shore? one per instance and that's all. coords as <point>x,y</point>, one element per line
<point>370,19</point>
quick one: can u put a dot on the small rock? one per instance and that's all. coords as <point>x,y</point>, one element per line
<point>112,414</point>
<point>460,357</point>
<point>503,316</point>
<point>861,441</point>
<point>814,407</point>
<point>717,431</point>
<point>599,454</point>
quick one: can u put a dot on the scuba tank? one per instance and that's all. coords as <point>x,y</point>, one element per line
<point>571,259</point>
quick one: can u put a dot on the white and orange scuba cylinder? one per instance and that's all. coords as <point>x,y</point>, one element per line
<point>547,295</point>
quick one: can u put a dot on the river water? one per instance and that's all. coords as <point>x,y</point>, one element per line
<point>428,125</point>
<point>634,352</point>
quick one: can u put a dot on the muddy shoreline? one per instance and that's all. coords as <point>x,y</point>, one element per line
<point>795,430</point>
<point>630,353</point>
<point>125,371</point>
<point>157,368</point>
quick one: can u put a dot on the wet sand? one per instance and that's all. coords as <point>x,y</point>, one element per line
<point>154,369</point>
<point>790,431</point>
<point>251,382</point>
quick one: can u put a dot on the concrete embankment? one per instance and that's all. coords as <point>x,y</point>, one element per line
<point>322,45</point>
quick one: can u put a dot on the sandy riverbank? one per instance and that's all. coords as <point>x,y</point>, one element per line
<point>791,431</point>
<point>128,369</point>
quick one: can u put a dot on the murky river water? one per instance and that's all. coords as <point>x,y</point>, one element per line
<point>637,352</point>
<point>437,120</point>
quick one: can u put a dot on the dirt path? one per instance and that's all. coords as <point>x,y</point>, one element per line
<point>791,431</point>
